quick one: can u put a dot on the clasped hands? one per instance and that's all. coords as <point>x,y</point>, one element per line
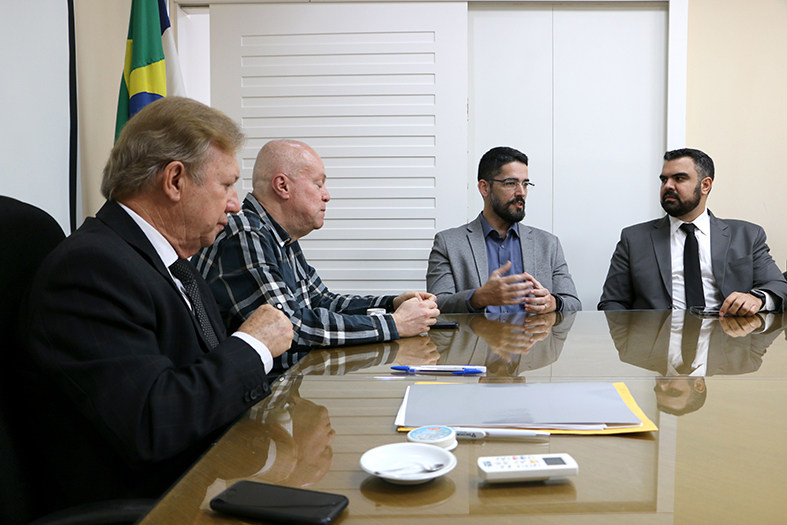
<point>414,313</point>
<point>501,289</point>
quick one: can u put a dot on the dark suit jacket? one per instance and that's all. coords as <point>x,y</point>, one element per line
<point>640,273</point>
<point>124,392</point>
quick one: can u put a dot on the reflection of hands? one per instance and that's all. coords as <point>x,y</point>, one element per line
<point>505,339</point>
<point>741,326</point>
<point>313,436</point>
<point>300,459</point>
<point>415,351</point>
<point>303,454</point>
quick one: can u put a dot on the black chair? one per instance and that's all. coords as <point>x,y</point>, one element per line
<point>27,235</point>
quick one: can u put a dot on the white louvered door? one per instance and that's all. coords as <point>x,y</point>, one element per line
<point>379,91</point>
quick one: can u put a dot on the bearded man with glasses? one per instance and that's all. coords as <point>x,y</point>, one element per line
<point>495,263</point>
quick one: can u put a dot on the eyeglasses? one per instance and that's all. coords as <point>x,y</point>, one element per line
<point>511,184</point>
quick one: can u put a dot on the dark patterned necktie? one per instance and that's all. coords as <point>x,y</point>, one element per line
<point>691,268</point>
<point>183,271</point>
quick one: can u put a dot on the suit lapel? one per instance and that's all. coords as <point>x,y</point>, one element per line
<point>528,250</point>
<point>717,350</point>
<point>719,244</point>
<point>661,247</point>
<point>475,237</point>
<point>659,352</point>
<point>124,226</point>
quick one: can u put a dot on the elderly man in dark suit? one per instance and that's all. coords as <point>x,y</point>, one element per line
<point>128,373</point>
<point>690,258</point>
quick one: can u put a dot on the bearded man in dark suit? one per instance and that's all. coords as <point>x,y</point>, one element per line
<point>735,269</point>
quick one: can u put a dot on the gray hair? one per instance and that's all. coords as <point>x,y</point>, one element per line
<point>169,129</point>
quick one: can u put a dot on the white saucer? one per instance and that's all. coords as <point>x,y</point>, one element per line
<point>396,455</point>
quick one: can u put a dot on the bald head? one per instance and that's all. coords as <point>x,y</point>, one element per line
<point>289,181</point>
<point>280,156</point>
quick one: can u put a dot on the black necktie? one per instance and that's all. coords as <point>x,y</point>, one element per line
<point>691,268</point>
<point>183,271</point>
<point>692,326</point>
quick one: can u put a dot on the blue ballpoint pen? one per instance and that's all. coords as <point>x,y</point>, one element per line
<point>441,369</point>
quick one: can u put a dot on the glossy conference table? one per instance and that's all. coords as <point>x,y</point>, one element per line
<point>722,462</point>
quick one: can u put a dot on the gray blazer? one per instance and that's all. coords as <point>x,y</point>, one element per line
<point>458,265</point>
<point>640,273</point>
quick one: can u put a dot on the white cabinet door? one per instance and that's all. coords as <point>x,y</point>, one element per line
<point>379,91</point>
<point>581,89</point>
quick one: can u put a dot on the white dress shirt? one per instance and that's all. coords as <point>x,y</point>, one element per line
<point>713,296</point>
<point>675,354</point>
<point>168,255</point>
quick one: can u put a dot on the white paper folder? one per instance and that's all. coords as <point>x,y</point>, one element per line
<point>561,406</point>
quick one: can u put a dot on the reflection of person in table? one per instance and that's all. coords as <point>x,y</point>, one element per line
<point>292,446</point>
<point>518,343</point>
<point>416,351</point>
<point>655,339</point>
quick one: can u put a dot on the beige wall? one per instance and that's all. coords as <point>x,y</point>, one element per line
<point>737,109</point>
<point>737,113</point>
<point>101,29</point>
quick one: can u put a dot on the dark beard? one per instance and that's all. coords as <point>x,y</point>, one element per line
<point>506,213</point>
<point>678,208</point>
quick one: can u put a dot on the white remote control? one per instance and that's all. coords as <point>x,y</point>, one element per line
<point>535,467</point>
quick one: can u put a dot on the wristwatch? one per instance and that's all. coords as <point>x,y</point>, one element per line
<point>759,294</point>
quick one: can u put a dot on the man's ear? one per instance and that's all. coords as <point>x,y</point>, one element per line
<point>483,187</point>
<point>707,185</point>
<point>280,184</point>
<point>172,180</point>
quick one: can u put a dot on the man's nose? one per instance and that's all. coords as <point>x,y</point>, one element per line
<point>233,203</point>
<point>325,195</point>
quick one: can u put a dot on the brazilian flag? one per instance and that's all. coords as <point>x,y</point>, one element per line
<point>151,67</point>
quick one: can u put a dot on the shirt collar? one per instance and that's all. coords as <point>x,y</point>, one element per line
<point>487,229</point>
<point>282,237</point>
<point>163,248</point>
<point>702,223</point>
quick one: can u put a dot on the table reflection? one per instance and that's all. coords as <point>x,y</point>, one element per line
<point>684,349</point>
<point>287,442</point>
<point>676,475</point>
<point>507,344</point>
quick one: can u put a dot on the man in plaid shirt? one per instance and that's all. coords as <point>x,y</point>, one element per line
<point>257,260</point>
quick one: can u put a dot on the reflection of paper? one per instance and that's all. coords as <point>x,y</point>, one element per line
<point>566,406</point>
